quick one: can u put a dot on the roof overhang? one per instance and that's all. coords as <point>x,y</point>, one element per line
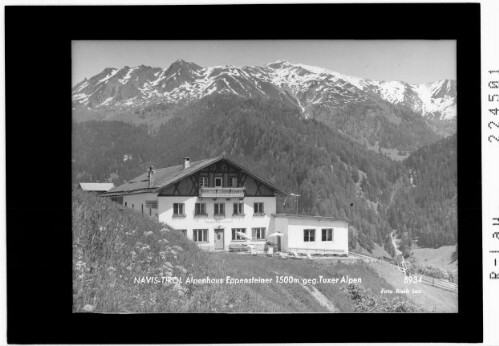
<point>310,217</point>
<point>157,189</point>
<point>254,176</point>
<point>124,193</point>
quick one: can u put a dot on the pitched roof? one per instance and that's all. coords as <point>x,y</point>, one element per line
<point>96,186</point>
<point>170,175</point>
<point>161,178</point>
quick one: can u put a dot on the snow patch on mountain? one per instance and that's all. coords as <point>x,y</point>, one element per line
<point>355,81</point>
<point>106,101</point>
<point>431,104</point>
<point>127,77</point>
<point>105,79</point>
<point>393,92</point>
<point>309,85</point>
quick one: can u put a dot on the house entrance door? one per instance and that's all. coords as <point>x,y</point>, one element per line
<point>219,239</point>
<point>279,244</point>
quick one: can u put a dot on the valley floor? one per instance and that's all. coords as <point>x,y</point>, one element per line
<point>440,257</point>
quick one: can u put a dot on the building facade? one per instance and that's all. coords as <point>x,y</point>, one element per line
<point>219,204</point>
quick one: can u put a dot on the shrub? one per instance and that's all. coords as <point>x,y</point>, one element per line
<point>434,272</point>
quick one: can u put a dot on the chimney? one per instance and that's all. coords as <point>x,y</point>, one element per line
<point>187,163</point>
<point>150,176</point>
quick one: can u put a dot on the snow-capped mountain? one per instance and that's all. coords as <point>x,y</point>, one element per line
<point>132,88</point>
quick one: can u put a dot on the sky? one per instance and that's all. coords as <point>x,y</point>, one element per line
<point>411,61</point>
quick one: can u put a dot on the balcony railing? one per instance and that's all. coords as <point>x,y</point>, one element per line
<point>221,192</point>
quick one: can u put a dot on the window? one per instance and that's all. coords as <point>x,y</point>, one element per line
<point>258,208</point>
<point>238,209</point>
<point>200,209</point>
<point>219,208</point>
<point>258,233</point>
<point>178,209</point>
<point>233,182</point>
<point>203,181</point>
<point>152,204</point>
<point>309,235</point>
<point>327,234</point>
<point>125,204</point>
<point>183,232</point>
<point>200,235</point>
<point>236,235</point>
<point>218,182</point>
<point>118,200</point>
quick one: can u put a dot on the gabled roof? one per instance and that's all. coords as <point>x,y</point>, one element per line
<point>96,186</point>
<point>170,175</point>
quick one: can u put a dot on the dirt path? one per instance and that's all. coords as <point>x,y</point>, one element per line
<point>321,298</point>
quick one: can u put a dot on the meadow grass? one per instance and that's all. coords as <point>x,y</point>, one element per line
<point>113,246</point>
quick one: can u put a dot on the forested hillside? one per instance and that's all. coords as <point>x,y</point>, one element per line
<point>334,175</point>
<point>378,123</point>
<point>425,208</point>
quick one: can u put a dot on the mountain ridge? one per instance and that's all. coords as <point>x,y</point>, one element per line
<point>304,85</point>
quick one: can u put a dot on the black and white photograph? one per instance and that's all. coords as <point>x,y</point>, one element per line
<point>264,176</point>
<point>267,173</point>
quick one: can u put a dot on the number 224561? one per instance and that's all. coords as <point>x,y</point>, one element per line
<point>493,125</point>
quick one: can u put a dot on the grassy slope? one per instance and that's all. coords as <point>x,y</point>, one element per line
<point>440,257</point>
<point>248,266</point>
<point>377,251</point>
<point>435,298</point>
<point>112,246</point>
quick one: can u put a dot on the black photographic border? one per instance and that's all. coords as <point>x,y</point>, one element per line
<point>38,160</point>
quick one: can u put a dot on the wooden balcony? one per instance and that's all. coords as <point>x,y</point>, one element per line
<point>221,192</point>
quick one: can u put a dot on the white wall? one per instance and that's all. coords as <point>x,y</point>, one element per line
<point>292,227</point>
<point>137,200</point>
<point>190,222</point>
<point>293,239</point>
<point>279,224</point>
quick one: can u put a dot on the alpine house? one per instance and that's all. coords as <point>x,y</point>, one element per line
<point>219,204</point>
